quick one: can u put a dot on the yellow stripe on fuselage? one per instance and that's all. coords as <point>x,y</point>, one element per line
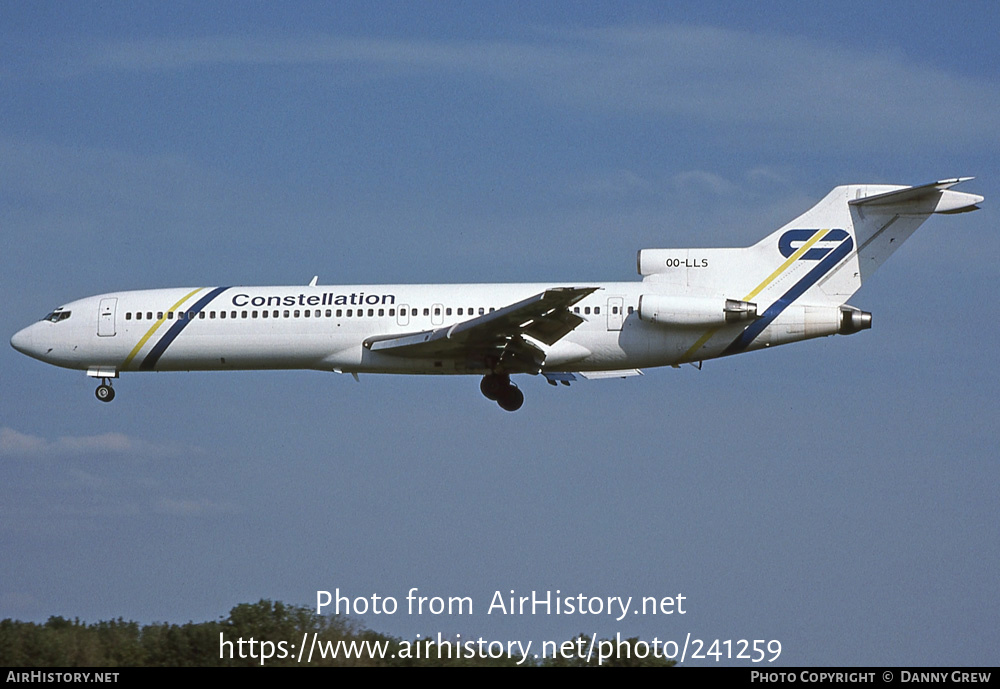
<point>760,288</point>
<point>156,325</point>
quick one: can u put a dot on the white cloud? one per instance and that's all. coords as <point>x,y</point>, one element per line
<point>704,181</point>
<point>783,84</point>
<point>16,444</point>
<point>615,183</point>
<point>190,507</point>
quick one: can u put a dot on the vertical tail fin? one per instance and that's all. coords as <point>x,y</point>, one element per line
<point>799,278</point>
<point>854,230</point>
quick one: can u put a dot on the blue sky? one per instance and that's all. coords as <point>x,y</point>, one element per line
<point>837,495</point>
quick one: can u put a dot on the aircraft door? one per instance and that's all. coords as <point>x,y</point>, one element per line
<point>437,314</point>
<point>403,315</point>
<point>106,317</point>
<point>616,308</point>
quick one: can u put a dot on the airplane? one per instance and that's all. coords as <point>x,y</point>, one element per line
<point>691,305</point>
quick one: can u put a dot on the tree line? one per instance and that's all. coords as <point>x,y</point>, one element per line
<point>119,643</point>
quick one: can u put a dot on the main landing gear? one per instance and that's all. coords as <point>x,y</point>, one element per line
<point>104,391</point>
<point>497,387</point>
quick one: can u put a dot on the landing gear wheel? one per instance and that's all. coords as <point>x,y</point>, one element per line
<point>511,398</point>
<point>492,386</point>
<point>105,393</point>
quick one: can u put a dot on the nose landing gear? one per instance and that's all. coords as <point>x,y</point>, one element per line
<point>497,387</point>
<point>105,392</point>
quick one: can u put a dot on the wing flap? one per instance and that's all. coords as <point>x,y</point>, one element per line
<point>566,378</point>
<point>554,326</point>
<point>620,373</point>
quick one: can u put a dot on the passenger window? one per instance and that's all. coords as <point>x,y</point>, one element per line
<point>350,312</point>
<point>274,314</point>
<point>170,315</point>
<point>481,311</point>
<point>447,311</point>
<point>586,310</point>
<point>576,309</point>
<point>371,312</point>
<point>128,315</point>
<point>211,314</point>
<point>253,314</point>
<point>232,314</point>
<point>222,314</point>
<point>159,315</point>
<point>201,314</point>
<point>287,313</point>
<point>263,314</point>
<point>381,312</point>
<point>243,314</point>
<point>427,312</point>
<point>296,313</point>
<point>392,312</point>
<point>459,310</point>
<point>329,313</point>
<point>630,309</point>
<point>597,309</point>
<point>149,315</point>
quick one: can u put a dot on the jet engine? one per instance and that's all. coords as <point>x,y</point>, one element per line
<point>853,320</point>
<point>693,312</point>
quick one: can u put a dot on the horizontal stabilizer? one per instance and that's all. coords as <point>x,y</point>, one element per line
<point>926,198</point>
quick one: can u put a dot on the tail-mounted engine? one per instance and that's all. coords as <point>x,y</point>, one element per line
<point>693,312</point>
<point>853,320</point>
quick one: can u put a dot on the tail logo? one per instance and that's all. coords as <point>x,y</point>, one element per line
<point>792,240</point>
<point>827,248</point>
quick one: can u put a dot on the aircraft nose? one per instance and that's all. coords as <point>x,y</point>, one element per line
<point>26,342</point>
<point>22,341</point>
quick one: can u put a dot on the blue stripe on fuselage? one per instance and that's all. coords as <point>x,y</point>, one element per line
<point>160,347</point>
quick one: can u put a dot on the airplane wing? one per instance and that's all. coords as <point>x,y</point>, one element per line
<point>544,317</point>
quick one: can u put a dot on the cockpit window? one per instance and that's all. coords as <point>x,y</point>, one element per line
<point>57,316</point>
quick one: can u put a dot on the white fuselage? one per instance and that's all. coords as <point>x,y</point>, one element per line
<point>326,327</point>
